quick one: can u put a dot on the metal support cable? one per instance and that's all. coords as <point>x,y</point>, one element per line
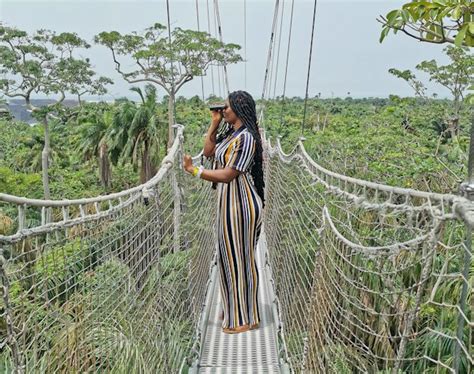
<point>245,44</point>
<point>199,29</point>
<point>219,80</point>
<point>172,65</point>
<point>280,31</point>
<point>287,61</point>
<point>209,32</point>
<point>309,66</point>
<point>269,55</point>
<point>218,17</point>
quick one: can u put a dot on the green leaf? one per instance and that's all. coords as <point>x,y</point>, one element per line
<point>458,40</point>
<point>391,16</point>
<point>384,33</point>
<point>457,12</point>
<point>471,28</point>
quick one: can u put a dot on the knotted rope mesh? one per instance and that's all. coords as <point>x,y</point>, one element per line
<point>113,284</point>
<point>368,278</point>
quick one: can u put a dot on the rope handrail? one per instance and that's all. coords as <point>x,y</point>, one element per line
<point>367,276</point>
<point>362,280</point>
<point>166,164</point>
<point>461,206</point>
<point>122,280</point>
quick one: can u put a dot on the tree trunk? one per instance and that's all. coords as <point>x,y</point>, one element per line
<point>453,124</point>
<point>104,166</point>
<point>45,160</point>
<point>454,121</point>
<point>171,118</point>
<point>147,169</point>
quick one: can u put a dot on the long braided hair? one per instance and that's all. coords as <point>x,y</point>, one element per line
<point>243,105</point>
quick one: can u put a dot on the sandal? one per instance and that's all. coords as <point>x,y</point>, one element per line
<point>254,327</point>
<point>236,330</point>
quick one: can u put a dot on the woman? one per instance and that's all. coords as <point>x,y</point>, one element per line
<point>239,175</point>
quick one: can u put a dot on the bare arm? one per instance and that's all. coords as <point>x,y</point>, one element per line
<point>225,175</point>
<point>210,142</point>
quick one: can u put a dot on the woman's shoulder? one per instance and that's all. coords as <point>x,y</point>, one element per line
<point>246,136</point>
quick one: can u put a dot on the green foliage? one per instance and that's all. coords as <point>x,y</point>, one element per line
<point>44,62</point>
<point>434,21</point>
<point>138,134</point>
<point>192,52</point>
<point>391,141</point>
<point>59,267</point>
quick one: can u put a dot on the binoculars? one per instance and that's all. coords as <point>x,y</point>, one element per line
<point>217,107</point>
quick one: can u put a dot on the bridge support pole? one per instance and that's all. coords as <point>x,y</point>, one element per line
<point>177,193</point>
<point>467,190</point>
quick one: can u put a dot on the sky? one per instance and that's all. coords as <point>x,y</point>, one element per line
<point>347,55</point>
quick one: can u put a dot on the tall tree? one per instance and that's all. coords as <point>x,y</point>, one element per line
<point>433,21</point>
<point>457,77</point>
<point>168,65</point>
<point>94,126</point>
<point>42,63</point>
<point>137,133</point>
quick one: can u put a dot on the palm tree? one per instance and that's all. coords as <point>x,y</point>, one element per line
<point>136,133</point>
<point>94,129</point>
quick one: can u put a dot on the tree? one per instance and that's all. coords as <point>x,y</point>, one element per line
<point>167,63</point>
<point>136,133</point>
<point>433,21</point>
<point>456,77</point>
<point>85,83</point>
<point>42,63</point>
<point>94,126</point>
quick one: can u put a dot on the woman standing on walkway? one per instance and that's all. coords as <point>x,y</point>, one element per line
<point>239,175</point>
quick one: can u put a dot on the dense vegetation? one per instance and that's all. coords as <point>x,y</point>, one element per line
<point>393,141</point>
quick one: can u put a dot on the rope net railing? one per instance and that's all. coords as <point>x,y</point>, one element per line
<point>368,278</point>
<point>110,284</point>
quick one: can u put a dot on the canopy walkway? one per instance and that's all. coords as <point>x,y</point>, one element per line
<point>356,277</point>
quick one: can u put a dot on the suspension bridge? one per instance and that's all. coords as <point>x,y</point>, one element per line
<point>356,277</point>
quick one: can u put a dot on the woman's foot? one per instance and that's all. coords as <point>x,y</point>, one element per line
<point>254,327</point>
<point>236,330</point>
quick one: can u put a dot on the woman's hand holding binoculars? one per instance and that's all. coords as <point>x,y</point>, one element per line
<point>216,116</point>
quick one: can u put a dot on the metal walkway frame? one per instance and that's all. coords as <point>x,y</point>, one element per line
<point>254,351</point>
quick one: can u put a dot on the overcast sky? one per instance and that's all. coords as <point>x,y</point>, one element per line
<point>347,56</point>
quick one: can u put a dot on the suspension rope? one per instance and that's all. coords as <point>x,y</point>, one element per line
<point>245,44</point>
<point>280,31</point>
<point>226,78</point>
<point>272,64</point>
<point>209,32</point>
<point>269,55</point>
<point>219,67</point>
<point>286,65</point>
<point>309,67</point>
<point>172,65</point>
<point>199,29</point>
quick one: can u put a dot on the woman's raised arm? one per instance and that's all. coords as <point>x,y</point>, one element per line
<point>210,142</point>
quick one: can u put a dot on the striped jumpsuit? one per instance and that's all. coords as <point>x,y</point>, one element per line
<point>238,223</point>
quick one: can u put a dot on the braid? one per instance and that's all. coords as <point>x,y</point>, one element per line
<point>243,106</point>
